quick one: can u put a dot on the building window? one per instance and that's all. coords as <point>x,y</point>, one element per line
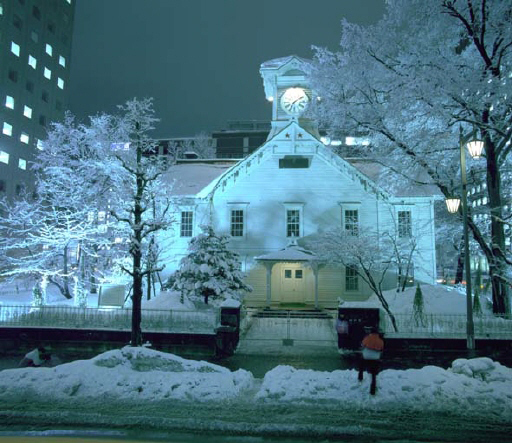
<point>32,61</point>
<point>51,27</point>
<point>34,36</point>
<point>39,144</point>
<point>24,138</point>
<point>36,12</point>
<point>15,49</point>
<point>9,102</point>
<point>293,223</point>
<point>351,222</point>
<point>237,223</point>
<point>20,190</point>
<point>7,129</point>
<point>49,49</point>
<point>351,279</point>
<point>404,224</point>
<point>42,120</point>
<point>293,162</point>
<point>58,105</point>
<point>27,111</point>
<point>186,224</point>
<point>44,96</point>
<point>3,186</point>
<point>60,83</point>
<point>62,61</point>
<point>16,21</point>
<point>22,164</point>
<point>47,73</point>
<point>29,86</point>
<point>4,157</point>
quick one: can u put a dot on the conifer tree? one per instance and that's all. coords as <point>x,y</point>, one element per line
<point>210,270</point>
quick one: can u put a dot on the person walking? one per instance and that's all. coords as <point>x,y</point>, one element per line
<point>371,353</point>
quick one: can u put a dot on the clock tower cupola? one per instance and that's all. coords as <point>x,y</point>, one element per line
<point>287,87</point>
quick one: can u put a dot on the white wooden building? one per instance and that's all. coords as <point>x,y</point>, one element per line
<point>289,190</point>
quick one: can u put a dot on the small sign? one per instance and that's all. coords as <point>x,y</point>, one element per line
<point>111,295</point>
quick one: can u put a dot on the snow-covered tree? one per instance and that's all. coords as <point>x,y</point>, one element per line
<point>210,270</point>
<point>410,82</point>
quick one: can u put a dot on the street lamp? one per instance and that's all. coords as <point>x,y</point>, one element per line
<point>475,148</point>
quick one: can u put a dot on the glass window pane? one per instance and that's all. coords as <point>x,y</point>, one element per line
<point>287,273</point>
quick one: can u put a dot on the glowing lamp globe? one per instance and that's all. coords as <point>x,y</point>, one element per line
<point>475,148</point>
<point>453,204</point>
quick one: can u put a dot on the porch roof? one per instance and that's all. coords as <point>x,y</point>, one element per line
<point>292,253</point>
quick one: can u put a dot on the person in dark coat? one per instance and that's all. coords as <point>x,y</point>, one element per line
<point>371,353</point>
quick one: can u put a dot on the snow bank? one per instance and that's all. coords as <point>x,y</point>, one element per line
<point>469,386</point>
<point>437,299</point>
<point>169,300</point>
<point>126,374</point>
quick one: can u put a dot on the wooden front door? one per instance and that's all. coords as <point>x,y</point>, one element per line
<point>292,283</point>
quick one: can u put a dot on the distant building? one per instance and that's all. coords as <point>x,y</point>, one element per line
<point>241,138</point>
<point>35,55</point>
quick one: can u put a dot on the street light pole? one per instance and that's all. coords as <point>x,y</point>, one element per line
<point>470,327</point>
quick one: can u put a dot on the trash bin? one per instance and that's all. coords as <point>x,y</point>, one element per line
<point>351,324</point>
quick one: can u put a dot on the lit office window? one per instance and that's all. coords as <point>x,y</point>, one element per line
<point>1,10</point>
<point>15,49</point>
<point>69,1</point>
<point>49,49</point>
<point>39,145</point>
<point>60,83</point>
<point>22,164</point>
<point>7,129</point>
<point>47,73</point>
<point>9,102</point>
<point>4,157</point>
<point>32,61</point>
<point>27,111</point>
<point>24,138</point>
<point>62,61</point>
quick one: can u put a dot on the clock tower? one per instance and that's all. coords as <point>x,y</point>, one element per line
<point>287,87</point>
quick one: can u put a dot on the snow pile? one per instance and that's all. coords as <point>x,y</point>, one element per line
<point>470,386</point>
<point>169,300</point>
<point>437,299</point>
<point>128,374</point>
<point>475,386</point>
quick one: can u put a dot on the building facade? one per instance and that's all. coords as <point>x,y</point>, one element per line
<point>35,55</point>
<point>278,199</point>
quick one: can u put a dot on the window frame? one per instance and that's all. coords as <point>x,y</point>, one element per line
<point>238,206</point>
<point>404,231</point>
<point>186,230</point>
<point>351,279</point>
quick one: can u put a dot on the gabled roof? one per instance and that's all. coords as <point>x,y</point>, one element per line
<point>292,253</point>
<point>276,63</point>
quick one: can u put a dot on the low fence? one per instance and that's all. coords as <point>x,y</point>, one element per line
<point>447,326</point>
<point>199,322</point>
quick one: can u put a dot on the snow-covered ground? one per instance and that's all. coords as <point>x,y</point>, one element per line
<point>202,396</point>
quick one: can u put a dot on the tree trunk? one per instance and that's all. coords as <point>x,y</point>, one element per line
<point>459,274</point>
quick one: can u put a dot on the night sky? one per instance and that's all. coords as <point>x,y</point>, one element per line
<point>199,59</point>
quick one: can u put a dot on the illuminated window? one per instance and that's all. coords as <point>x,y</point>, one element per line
<point>22,164</point>
<point>1,10</point>
<point>32,61</point>
<point>60,83</point>
<point>39,144</point>
<point>62,61</point>
<point>7,129</point>
<point>27,111</point>
<point>15,49</point>
<point>237,223</point>
<point>101,216</point>
<point>47,73</point>
<point>9,102</point>
<point>49,49</point>
<point>293,223</point>
<point>69,1</point>
<point>404,224</point>
<point>351,279</point>
<point>4,157</point>
<point>24,138</point>
<point>186,224</point>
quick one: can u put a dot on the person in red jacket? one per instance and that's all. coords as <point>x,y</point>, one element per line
<point>371,353</point>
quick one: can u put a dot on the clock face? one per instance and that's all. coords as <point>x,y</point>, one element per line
<point>294,101</point>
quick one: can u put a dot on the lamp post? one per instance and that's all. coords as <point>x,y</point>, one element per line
<point>475,148</point>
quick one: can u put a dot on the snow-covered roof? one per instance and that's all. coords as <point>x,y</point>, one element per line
<point>278,62</point>
<point>392,181</point>
<point>293,252</point>
<point>189,178</point>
